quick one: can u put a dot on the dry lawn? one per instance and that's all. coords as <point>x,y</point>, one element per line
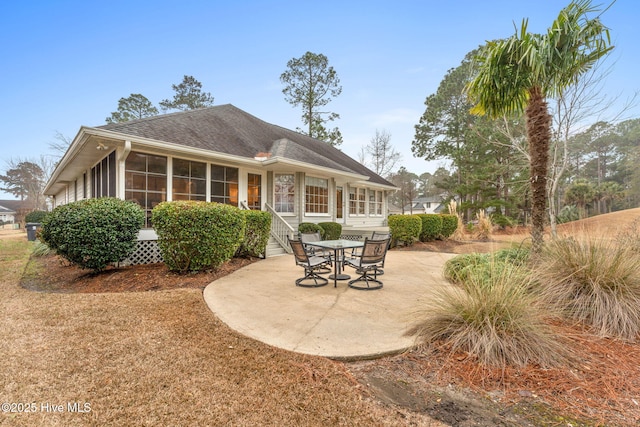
<point>157,358</point>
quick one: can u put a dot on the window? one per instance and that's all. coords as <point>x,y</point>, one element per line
<point>357,201</point>
<point>103,177</point>
<point>316,195</point>
<point>284,193</point>
<point>146,181</point>
<point>375,202</point>
<point>189,180</point>
<point>224,185</point>
<point>254,191</point>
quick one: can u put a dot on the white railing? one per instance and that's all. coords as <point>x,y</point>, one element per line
<point>280,228</point>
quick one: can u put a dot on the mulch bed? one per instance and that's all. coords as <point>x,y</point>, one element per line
<point>52,273</point>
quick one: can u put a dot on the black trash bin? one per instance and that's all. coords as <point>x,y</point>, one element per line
<point>32,228</point>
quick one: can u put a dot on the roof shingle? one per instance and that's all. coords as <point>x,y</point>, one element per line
<point>230,130</point>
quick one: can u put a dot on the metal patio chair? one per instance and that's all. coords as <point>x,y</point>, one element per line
<point>368,264</point>
<point>311,265</point>
<point>307,238</point>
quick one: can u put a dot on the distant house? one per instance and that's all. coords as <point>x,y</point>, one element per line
<point>433,204</point>
<point>13,211</point>
<point>221,154</point>
<point>7,215</point>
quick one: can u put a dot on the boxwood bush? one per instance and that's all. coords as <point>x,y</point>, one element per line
<point>332,230</point>
<point>310,227</point>
<point>449,225</point>
<point>431,227</point>
<point>35,216</point>
<point>93,233</point>
<point>256,235</point>
<point>405,228</point>
<point>194,236</point>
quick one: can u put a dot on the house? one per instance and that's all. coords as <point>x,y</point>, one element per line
<point>221,154</point>
<point>424,204</point>
<point>14,211</point>
<point>7,211</point>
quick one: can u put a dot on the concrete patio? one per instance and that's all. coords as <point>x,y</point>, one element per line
<point>261,301</point>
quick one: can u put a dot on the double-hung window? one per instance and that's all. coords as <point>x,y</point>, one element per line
<point>357,201</point>
<point>284,193</point>
<point>375,202</point>
<point>316,198</point>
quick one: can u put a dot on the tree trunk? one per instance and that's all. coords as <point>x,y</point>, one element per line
<point>539,136</point>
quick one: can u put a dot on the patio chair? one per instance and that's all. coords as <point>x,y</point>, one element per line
<point>306,238</point>
<point>311,265</point>
<point>368,264</point>
<point>376,235</point>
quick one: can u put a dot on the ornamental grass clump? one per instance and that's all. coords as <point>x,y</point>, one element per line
<point>499,322</point>
<point>594,282</point>
<point>484,229</point>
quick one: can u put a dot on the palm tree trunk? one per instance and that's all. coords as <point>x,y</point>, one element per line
<point>539,136</point>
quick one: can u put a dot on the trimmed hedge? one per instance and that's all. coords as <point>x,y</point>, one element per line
<point>35,216</point>
<point>194,236</point>
<point>405,228</point>
<point>431,227</point>
<point>310,227</point>
<point>449,225</point>
<point>93,233</point>
<point>256,235</point>
<point>332,230</point>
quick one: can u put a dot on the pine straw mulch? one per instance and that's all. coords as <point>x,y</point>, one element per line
<point>55,274</point>
<point>601,386</point>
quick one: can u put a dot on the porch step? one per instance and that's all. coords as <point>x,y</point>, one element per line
<point>274,248</point>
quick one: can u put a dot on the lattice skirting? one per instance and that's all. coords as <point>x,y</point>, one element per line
<point>147,252</point>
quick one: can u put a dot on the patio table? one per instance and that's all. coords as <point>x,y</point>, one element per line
<point>337,246</point>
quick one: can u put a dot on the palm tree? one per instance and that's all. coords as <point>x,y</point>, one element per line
<point>518,74</point>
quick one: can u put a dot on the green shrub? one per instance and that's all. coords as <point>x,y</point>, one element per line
<point>500,322</point>
<point>593,282</point>
<point>459,268</point>
<point>35,216</point>
<point>481,267</point>
<point>93,233</point>
<point>405,228</point>
<point>310,227</point>
<point>194,236</point>
<point>516,255</point>
<point>332,230</point>
<point>502,221</point>
<point>257,231</point>
<point>431,227</point>
<point>449,225</point>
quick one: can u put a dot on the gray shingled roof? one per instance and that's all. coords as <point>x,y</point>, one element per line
<point>229,130</point>
<point>7,206</point>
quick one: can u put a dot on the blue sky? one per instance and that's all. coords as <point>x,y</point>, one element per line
<point>66,63</point>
